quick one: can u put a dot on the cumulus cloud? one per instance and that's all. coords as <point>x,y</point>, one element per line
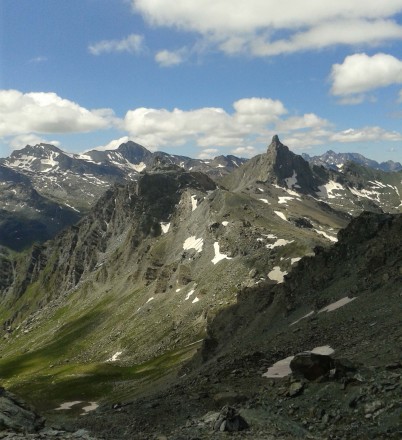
<point>252,122</point>
<point>208,153</point>
<point>23,113</point>
<point>309,120</point>
<point>258,27</point>
<point>23,140</point>
<point>360,72</point>
<point>167,58</point>
<point>208,126</point>
<point>248,151</point>
<point>112,145</point>
<point>133,44</point>
<point>366,134</point>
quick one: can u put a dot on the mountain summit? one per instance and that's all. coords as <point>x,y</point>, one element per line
<point>278,166</point>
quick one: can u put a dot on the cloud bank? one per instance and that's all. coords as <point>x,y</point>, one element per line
<point>268,27</point>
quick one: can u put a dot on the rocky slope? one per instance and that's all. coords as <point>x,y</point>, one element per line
<point>114,305</point>
<point>25,215</point>
<point>359,396</point>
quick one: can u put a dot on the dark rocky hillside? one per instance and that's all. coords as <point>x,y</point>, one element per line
<point>359,398</point>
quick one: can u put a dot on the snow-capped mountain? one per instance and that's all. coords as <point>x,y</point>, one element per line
<point>336,161</point>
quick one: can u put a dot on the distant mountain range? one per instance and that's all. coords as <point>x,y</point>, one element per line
<point>336,161</point>
<point>45,189</point>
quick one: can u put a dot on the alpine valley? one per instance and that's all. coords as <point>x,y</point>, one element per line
<point>152,296</point>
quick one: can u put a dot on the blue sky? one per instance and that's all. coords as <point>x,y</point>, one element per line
<point>202,78</point>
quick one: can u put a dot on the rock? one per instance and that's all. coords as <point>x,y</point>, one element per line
<point>311,366</point>
<point>295,389</point>
<point>253,273</point>
<point>372,407</point>
<point>230,420</point>
<point>17,415</point>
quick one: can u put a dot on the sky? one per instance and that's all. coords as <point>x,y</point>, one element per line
<point>202,77</point>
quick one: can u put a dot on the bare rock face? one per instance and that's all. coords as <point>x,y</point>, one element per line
<point>16,415</point>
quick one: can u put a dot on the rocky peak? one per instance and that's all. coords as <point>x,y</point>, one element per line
<point>287,168</point>
<point>39,150</point>
<point>276,144</point>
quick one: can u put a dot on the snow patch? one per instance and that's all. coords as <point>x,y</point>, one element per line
<point>327,189</point>
<point>194,202</point>
<point>189,294</point>
<point>68,405</point>
<point>115,357</point>
<point>295,260</point>
<point>72,207</point>
<point>140,167</point>
<point>337,304</point>
<point>218,256</point>
<point>91,407</point>
<point>276,274</point>
<point>303,317</point>
<point>284,200</point>
<point>165,227</point>
<point>281,215</point>
<point>193,243</point>
<point>334,239</point>
<point>195,300</point>
<point>225,223</point>
<point>150,299</point>
<point>366,194</point>
<point>264,201</point>
<point>292,181</point>
<point>279,243</point>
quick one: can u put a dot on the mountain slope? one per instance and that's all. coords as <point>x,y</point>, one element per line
<point>360,398</point>
<point>25,215</point>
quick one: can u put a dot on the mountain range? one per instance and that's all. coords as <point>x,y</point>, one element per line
<point>220,262</point>
<point>333,160</point>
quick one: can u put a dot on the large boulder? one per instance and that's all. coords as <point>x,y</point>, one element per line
<point>311,366</point>
<point>16,415</point>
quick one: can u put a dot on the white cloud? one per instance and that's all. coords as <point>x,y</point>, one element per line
<point>257,26</point>
<point>23,140</point>
<point>258,111</point>
<point>112,145</point>
<point>345,32</point>
<point>132,44</point>
<point>23,113</point>
<point>366,134</point>
<point>167,58</point>
<point>208,153</point>
<point>37,60</point>
<point>359,73</point>
<point>248,151</point>
<point>308,120</point>
<point>208,126</point>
